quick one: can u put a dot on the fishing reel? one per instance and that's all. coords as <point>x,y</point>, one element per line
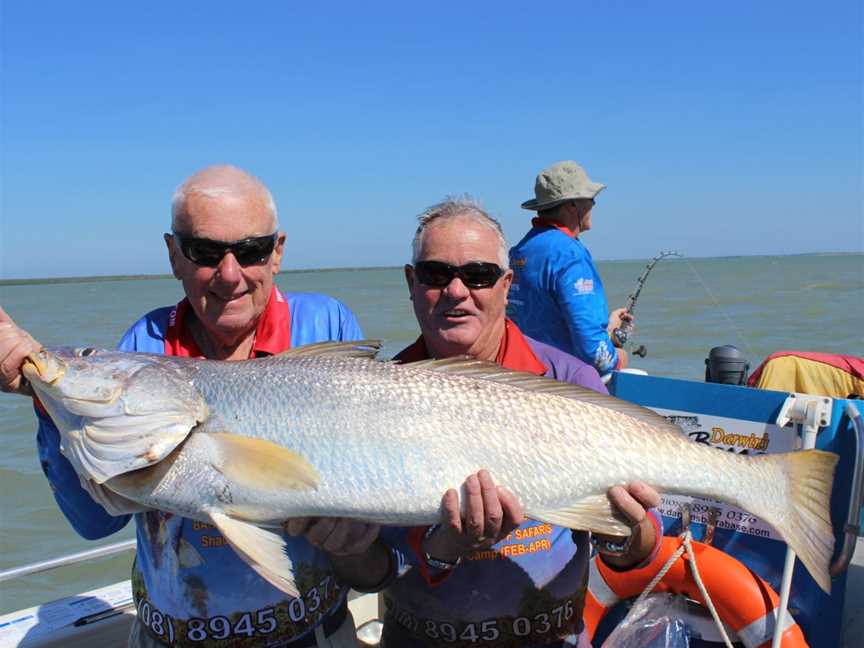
<point>621,334</point>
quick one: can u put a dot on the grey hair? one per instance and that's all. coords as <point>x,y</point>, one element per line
<point>462,208</point>
<point>191,187</point>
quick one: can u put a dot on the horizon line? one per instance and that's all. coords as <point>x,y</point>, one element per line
<point>144,277</point>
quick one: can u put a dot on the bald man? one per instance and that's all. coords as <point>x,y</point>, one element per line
<point>190,587</point>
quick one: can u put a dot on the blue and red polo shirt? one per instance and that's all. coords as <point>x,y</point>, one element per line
<point>527,590</point>
<point>190,587</point>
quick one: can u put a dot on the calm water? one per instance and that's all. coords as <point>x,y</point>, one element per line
<point>760,304</point>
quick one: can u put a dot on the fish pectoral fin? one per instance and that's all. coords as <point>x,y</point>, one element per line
<point>593,513</point>
<point>114,503</point>
<point>261,464</point>
<point>263,550</point>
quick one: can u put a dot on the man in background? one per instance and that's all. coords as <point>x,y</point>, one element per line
<point>190,586</point>
<point>557,296</point>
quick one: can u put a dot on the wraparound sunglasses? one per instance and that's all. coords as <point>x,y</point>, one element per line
<point>438,274</point>
<point>209,253</point>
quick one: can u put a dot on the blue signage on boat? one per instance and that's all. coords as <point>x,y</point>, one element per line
<point>742,420</point>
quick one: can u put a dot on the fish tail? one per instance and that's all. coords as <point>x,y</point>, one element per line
<point>806,520</point>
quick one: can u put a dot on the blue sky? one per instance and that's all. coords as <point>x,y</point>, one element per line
<point>719,128</point>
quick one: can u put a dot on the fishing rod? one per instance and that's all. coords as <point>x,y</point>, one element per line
<point>622,333</point>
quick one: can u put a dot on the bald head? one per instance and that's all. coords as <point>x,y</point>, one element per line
<point>214,183</point>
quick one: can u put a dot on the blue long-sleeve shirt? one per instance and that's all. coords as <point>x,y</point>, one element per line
<point>557,296</point>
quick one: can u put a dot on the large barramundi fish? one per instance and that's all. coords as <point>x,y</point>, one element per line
<point>327,430</point>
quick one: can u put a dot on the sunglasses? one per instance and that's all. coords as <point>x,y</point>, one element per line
<point>438,274</point>
<point>208,253</point>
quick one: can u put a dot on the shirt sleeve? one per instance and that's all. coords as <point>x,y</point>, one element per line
<point>584,311</point>
<point>349,327</point>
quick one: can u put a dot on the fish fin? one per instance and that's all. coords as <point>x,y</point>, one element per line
<point>591,513</point>
<point>483,370</point>
<point>806,521</point>
<point>113,503</point>
<point>356,349</point>
<point>263,549</point>
<point>261,464</point>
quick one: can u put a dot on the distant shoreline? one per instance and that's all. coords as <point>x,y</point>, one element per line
<point>148,277</point>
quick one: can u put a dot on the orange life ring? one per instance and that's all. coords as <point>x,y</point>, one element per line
<point>744,601</point>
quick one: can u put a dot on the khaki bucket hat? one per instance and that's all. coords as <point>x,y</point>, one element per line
<point>559,183</point>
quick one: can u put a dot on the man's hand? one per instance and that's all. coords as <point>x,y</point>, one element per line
<point>632,502</point>
<point>355,553</point>
<point>337,536</point>
<point>617,319</point>
<point>490,513</point>
<point>15,345</point>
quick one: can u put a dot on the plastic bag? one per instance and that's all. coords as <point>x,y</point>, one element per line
<point>656,622</point>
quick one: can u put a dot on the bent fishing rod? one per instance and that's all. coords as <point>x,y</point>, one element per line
<point>622,333</point>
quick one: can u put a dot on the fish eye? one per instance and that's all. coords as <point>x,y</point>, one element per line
<point>86,352</point>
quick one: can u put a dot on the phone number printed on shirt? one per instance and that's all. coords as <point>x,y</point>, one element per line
<point>258,623</point>
<point>538,625</point>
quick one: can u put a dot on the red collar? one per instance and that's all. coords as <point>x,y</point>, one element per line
<point>539,221</point>
<point>514,352</point>
<point>272,335</point>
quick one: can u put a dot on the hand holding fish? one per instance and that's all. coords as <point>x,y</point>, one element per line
<point>633,502</point>
<point>490,513</point>
<point>354,553</point>
<point>15,345</point>
<point>337,536</point>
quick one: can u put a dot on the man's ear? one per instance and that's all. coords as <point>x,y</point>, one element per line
<point>172,255</point>
<point>410,279</point>
<point>507,279</point>
<point>276,257</point>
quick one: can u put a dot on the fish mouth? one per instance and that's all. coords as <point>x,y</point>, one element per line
<point>43,366</point>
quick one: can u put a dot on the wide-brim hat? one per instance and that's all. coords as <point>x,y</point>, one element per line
<point>559,183</point>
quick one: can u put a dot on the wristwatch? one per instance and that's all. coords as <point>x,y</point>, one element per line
<point>437,563</point>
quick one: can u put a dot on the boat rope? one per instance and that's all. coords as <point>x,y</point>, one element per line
<point>685,537</point>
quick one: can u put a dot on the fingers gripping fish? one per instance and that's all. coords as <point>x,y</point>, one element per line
<point>326,430</point>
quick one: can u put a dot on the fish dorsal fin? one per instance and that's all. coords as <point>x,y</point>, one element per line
<point>484,370</point>
<point>356,349</point>
<point>261,464</point>
<point>264,550</point>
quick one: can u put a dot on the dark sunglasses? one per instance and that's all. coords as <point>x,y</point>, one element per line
<point>209,253</point>
<point>438,274</point>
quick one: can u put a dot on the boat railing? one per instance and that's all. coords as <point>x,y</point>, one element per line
<point>71,559</point>
<point>852,528</point>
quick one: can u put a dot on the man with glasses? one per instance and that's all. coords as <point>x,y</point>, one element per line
<point>483,574</point>
<point>190,587</point>
<point>557,296</point>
